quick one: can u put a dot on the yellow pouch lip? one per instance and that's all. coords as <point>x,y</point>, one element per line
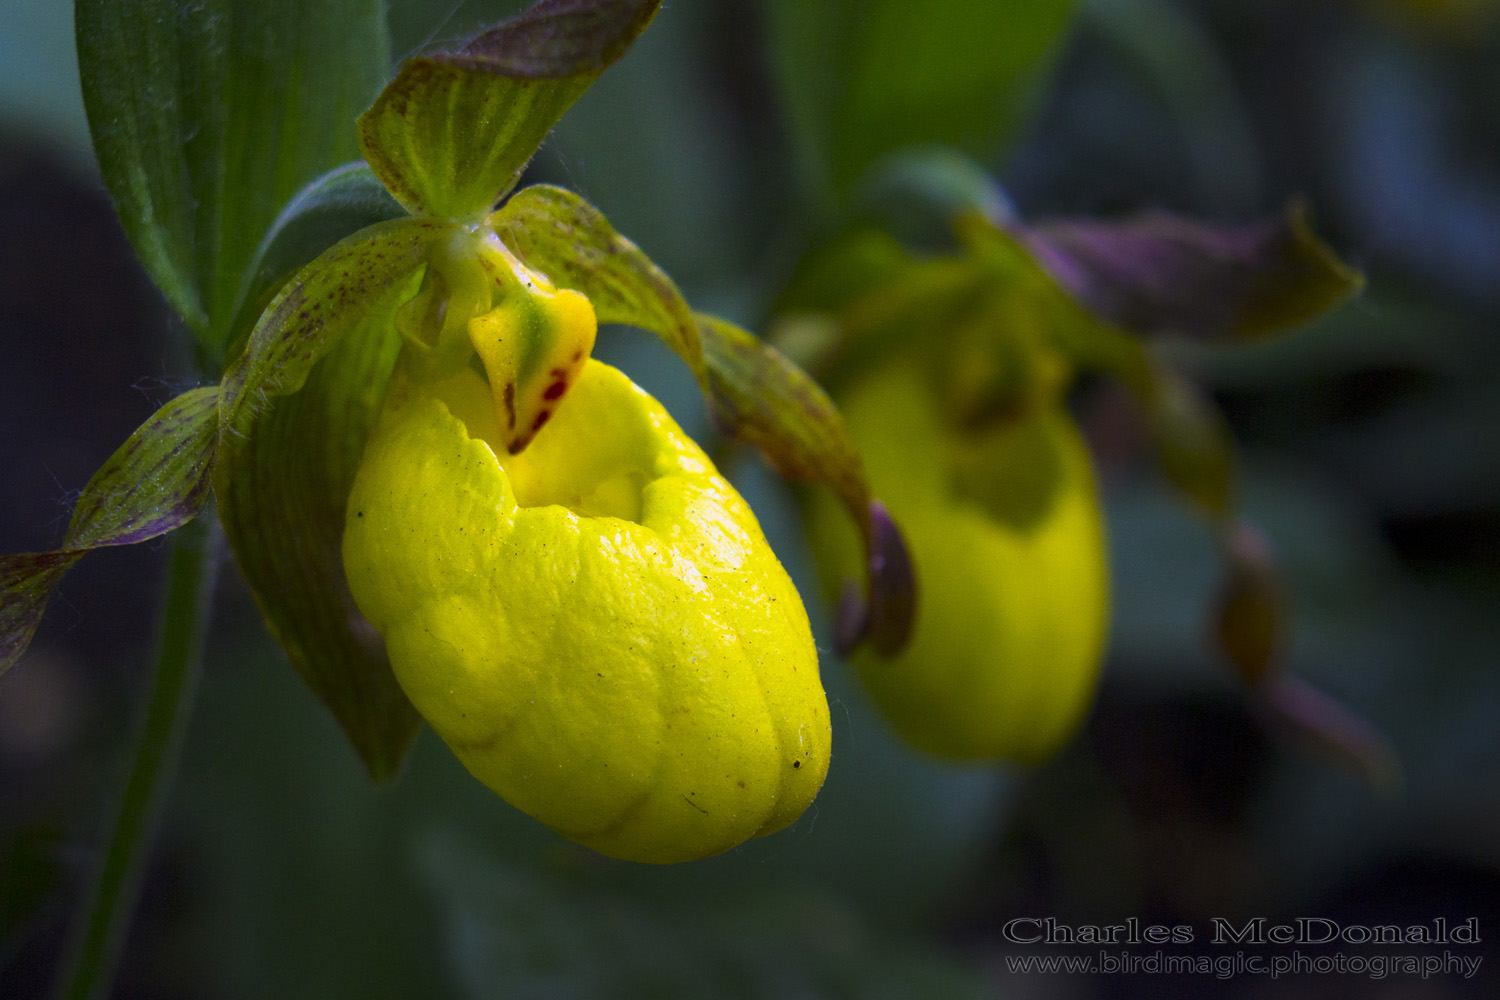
<point>707,544</point>
<point>1008,644</point>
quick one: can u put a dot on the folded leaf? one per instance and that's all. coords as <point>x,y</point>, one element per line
<point>157,480</point>
<point>281,494</point>
<point>207,117</point>
<point>1162,273</point>
<point>1251,619</point>
<point>452,132</point>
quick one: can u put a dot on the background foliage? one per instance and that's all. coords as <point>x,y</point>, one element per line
<point>1372,462</point>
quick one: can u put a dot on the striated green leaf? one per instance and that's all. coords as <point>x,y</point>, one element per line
<point>757,396</point>
<point>208,117</point>
<point>157,480</point>
<point>281,494</point>
<point>1162,273</point>
<point>563,236</point>
<point>331,208</point>
<point>862,78</point>
<point>452,132</point>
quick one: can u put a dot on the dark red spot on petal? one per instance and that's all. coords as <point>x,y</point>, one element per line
<point>541,418</point>
<point>555,391</point>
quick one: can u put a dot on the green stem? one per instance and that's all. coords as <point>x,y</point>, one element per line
<point>191,570</point>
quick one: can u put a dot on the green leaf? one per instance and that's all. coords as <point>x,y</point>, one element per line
<point>207,117</point>
<point>157,480</point>
<point>1162,273</point>
<point>331,208</point>
<point>759,397</point>
<point>281,493</point>
<point>862,78</point>
<point>452,132</point>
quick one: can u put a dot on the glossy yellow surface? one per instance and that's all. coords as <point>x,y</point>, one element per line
<point>596,626</point>
<point>1006,534</point>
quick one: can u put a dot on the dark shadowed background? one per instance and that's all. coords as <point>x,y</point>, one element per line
<point>1371,443</point>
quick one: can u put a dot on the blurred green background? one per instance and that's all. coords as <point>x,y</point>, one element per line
<point>721,144</point>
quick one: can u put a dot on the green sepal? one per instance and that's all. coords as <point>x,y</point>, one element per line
<point>754,393</point>
<point>281,493</point>
<point>295,411</point>
<point>207,117</point>
<point>451,133</point>
<point>323,302</point>
<point>156,481</point>
<point>331,208</point>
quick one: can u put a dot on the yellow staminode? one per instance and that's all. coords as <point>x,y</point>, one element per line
<point>596,625</point>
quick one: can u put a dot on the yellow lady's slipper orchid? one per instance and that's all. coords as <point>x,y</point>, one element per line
<point>1006,529</point>
<point>593,621</point>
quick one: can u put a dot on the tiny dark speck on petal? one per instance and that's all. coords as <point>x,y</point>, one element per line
<point>796,763</point>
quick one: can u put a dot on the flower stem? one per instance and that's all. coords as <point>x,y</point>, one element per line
<point>97,939</point>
